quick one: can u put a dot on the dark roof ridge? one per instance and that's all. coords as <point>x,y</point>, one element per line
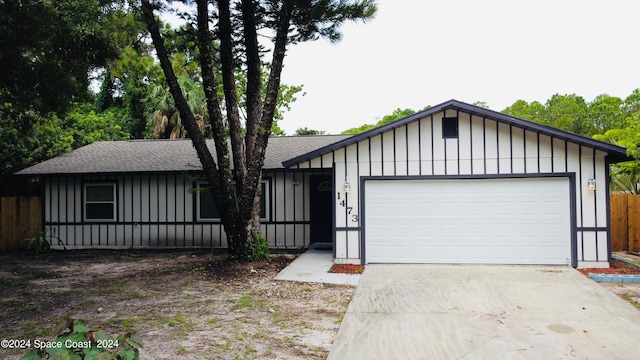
<point>618,152</point>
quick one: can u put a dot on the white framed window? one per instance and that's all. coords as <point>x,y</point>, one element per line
<point>207,210</point>
<point>100,201</point>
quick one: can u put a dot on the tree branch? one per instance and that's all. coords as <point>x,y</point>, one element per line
<point>208,164</point>
<point>254,81</point>
<point>230,94</point>
<point>263,129</point>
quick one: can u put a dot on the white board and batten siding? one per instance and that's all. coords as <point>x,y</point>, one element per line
<point>159,211</point>
<point>485,152</point>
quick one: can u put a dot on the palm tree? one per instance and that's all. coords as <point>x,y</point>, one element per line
<point>626,181</point>
<point>163,116</point>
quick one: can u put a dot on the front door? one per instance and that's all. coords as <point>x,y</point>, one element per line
<point>321,209</point>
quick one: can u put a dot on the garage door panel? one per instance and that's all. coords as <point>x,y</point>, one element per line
<point>507,221</point>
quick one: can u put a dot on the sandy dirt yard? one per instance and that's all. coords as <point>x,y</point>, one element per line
<point>628,291</point>
<point>183,304</point>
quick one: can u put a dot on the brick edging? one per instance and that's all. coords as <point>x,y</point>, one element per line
<point>620,278</point>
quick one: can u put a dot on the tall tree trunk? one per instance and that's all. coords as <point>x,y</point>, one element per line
<point>237,195</point>
<point>239,227</point>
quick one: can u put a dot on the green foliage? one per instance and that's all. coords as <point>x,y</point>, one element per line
<point>482,104</point>
<point>27,138</point>
<point>568,112</point>
<point>30,138</point>
<point>606,118</point>
<point>572,113</point>
<point>48,50</point>
<point>322,19</point>
<point>623,180</point>
<point>359,130</point>
<point>306,131</point>
<point>259,249</point>
<point>87,126</point>
<point>627,136</point>
<point>534,111</point>
<point>626,176</point>
<point>163,118</point>
<point>605,113</point>
<point>286,96</point>
<point>81,342</point>
<point>395,115</point>
<point>42,241</point>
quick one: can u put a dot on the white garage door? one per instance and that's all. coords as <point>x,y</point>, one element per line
<point>476,221</point>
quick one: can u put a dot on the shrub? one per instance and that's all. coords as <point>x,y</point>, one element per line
<point>81,342</point>
<point>259,249</point>
<point>42,241</point>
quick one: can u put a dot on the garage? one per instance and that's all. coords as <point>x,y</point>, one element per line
<point>474,221</point>
<point>458,183</point>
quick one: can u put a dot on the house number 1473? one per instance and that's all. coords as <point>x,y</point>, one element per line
<point>343,203</point>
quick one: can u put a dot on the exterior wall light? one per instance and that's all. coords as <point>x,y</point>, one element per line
<point>591,184</point>
<point>347,186</point>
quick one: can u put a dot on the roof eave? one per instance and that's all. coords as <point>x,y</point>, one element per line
<point>616,152</point>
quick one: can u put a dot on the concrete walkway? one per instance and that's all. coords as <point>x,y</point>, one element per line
<point>312,266</point>
<point>485,312</point>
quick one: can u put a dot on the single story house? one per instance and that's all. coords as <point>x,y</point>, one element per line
<point>455,183</point>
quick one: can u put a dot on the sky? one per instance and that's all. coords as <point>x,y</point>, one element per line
<point>416,53</point>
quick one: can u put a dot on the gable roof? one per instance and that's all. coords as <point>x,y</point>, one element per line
<point>616,153</point>
<point>135,156</point>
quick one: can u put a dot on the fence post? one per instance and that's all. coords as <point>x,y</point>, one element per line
<point>633,217</point>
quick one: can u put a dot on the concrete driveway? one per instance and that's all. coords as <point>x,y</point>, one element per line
<point>485,312</point>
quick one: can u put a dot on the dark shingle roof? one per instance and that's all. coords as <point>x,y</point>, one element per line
<point>164,155</point>
<point>616,153</point>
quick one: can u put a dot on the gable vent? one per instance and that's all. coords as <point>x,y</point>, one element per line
<point>450,128</point>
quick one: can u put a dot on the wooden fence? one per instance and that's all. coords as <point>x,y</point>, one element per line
<point>625,222</point>
<point>20,218</point>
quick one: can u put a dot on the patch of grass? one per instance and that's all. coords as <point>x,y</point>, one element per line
<point>245,301</point>
<point>306,289</point>
<point>11,303</point>
<point>14,283</point>
<point>32,330</point>
<point>182,350</point>
<point>262,334</point>
<point>130,295</point>
<point>279,319</point>
<point>196,269</point>
<point>225,346</point>
<point>126,323</point>
<point>83,305</point>
<point>629,297</point>
<point>249,350</point>
<point>268,353</point>
<point>176,320</point>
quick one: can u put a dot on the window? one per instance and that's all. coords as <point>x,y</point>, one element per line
<point>100,201</point>
<point>450,128</point>
<point>207,209</point>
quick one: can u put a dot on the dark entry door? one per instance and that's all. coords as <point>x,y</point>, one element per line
<point>321,208</point>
